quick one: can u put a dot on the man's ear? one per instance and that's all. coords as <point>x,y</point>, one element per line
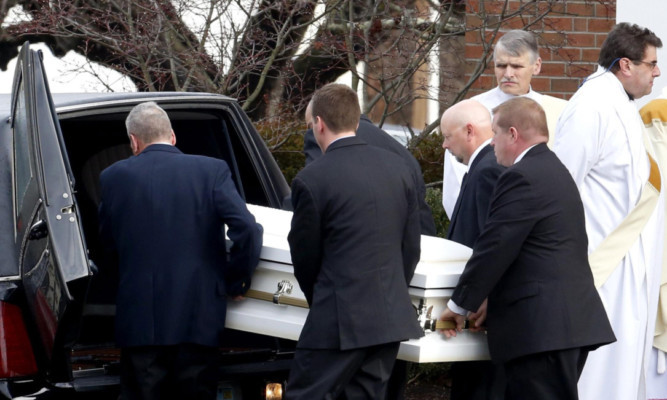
<point>624,66</point>
<point>173,138</point>
<point>318,125</point>
<point>470,131</point>
<point>134,144</point>
<point>538,66</point>
<point>515,134</point>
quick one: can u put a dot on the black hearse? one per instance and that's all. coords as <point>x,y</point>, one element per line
<point>56,291</point>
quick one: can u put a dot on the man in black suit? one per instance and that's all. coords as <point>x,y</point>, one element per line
<point>375,136</point>
<point>355,242</point>
<point>544,314</point>
<point>466,127</point>
<point>164,213</point>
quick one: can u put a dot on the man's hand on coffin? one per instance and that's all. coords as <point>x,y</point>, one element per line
<point>478,317</point>
<point>238,298</point>
<point>449,315</point>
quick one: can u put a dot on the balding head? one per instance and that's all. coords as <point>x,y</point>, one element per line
<point>465,126</point>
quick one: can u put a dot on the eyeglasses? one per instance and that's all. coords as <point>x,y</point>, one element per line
<point>651,64</point>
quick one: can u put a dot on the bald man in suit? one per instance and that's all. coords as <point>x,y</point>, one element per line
<point>530,263</point>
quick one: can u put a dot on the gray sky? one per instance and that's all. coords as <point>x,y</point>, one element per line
<point>63,80</point>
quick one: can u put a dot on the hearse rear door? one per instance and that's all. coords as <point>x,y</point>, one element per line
<point>49,241</point>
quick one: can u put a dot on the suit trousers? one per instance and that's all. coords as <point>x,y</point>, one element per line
<point>477,380</point>
<point>183,371</point>
<point>397,381</point>
<point>341,374</point>
<point>551,375</point>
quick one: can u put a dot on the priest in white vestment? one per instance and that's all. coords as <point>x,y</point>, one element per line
<point>600,139</point>
<point>516,59</point>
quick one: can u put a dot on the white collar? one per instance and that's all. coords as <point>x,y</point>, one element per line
<point>523,153</point>
<point>476,152</point>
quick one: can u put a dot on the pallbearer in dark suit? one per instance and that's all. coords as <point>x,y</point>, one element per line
<point>544,314</point>
<point>164,213</point>
<point>377,137</point>
<point>354,243</point>
<point>466,127</point>
<point>374,136</point>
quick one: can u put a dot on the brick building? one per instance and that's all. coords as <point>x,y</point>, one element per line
<point>570,34</point>
<point>570,38</point>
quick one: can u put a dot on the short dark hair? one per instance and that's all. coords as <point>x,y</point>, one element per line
<point>523,113</point>
<point>338,106</point>
<point>626,40</point>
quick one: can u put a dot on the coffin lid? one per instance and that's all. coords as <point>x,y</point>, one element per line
<point>440,265</point>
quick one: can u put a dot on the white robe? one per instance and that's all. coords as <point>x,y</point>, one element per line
<point>600,140</point>
<point>453,170</point>
<point>654,116</point>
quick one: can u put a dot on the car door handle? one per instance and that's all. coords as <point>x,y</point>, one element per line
<point>38,230</point>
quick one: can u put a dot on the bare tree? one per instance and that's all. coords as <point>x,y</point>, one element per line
<point>272,54</point>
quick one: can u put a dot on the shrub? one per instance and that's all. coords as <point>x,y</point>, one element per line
<point>284,138</point>
<point>434,200</point>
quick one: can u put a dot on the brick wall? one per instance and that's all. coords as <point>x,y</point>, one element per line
<point>570,35</point>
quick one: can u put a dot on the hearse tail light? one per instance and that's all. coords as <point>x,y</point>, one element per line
<point>16,356</point>
<point>273,391</point>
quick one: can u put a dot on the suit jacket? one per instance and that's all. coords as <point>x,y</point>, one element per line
<point>355,243</point>
<point>164,212</point>
<point>531,262</point>
<point>472,205</point>
<point>375,136</point>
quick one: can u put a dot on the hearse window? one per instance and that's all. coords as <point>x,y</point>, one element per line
<point>95,141</point>
<point>254,192</point>
<point>206,134</point>
<point>22,169</point>
<point>216,134</point>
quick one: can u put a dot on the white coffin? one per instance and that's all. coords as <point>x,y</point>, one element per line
<point>265,312</point>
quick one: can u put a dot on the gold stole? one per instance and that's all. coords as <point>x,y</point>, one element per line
<point>654,116</point>
<point>609,254</point>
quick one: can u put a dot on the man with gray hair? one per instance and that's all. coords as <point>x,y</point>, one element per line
<point>164,214</point>
<point>516,60</point>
